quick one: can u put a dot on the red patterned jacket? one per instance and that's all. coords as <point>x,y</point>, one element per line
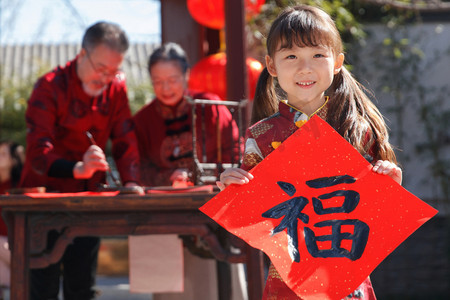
<point>164,136</point>
<point>58,115</point>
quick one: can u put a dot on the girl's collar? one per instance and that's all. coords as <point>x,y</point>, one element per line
<point>310,116</point>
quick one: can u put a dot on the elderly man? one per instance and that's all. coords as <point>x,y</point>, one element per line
<point>86,97</point>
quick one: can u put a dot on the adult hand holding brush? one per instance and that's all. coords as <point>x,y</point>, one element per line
<point>94,160</point>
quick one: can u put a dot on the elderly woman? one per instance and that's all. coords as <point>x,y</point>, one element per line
<point>164,126</point>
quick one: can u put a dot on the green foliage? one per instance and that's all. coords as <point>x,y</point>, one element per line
<point>13,100</point>
<point>139,95</point>
<point>341,11</point>
<point>14,94</point>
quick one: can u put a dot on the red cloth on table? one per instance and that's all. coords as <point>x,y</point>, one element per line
<point>59,195</point>
<point>58,115</point>
<point>164,136</point>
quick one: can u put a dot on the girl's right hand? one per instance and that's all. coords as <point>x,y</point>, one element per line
<point>233,176</point>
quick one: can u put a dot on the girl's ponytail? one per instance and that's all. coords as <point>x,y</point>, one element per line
<point>265,102</point>
<point>357,119</point>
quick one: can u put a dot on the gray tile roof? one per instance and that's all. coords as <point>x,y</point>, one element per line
<point>19,62</point>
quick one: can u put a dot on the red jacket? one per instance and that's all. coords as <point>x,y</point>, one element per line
<point>261,139</point>
<point>164,136</point>
<point>58,115</point>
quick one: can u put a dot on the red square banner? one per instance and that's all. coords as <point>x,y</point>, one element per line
<point>318,211</point>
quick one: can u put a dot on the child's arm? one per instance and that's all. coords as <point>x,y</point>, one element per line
<point>388,168</point>
<point>233,176</point>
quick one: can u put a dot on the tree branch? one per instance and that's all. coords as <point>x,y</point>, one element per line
<point>417,5</point>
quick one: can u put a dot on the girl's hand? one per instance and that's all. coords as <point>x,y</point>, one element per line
<point>388,168</point>
<point>233,175</point>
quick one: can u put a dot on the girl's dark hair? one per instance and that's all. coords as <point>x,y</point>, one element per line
<point>265,101</point>
<point>350,111</point>
<point>169,52</point>
<point>109,34</point>
<point>16,151</point>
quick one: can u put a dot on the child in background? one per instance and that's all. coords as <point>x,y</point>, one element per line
<point>11,162</point>
<point>305,54</point>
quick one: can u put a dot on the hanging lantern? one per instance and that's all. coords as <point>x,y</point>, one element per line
<point>253,7</point>
<point>254,69</point>
<point>208,13</point>
<point>210,75</point>
<point>211,13</point>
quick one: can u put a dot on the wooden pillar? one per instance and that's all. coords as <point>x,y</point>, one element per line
<point>255,273</point>
<point>237,86</point>
<point>178,26</point>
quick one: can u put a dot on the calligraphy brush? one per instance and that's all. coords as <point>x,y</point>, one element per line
<point>108,172</point>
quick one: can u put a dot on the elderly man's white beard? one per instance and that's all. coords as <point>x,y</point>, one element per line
<point>91,92</point>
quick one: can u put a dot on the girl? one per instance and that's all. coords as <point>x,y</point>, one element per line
<point>305,55</point>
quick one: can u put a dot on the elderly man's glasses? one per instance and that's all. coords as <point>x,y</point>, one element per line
<point>102,71</point>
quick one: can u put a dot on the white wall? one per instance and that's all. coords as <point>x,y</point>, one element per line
<point>433,72</point>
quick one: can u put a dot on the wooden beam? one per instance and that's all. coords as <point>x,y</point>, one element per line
<point>237,86</point>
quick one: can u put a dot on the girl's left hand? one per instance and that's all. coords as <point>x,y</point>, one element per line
<point>388,168</point>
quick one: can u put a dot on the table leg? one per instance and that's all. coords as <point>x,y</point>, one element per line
<point>224,280</point>
<point>255,273</point>
<point>19,258</point>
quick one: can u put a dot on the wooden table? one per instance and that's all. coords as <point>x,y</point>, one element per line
<point>30,219</point>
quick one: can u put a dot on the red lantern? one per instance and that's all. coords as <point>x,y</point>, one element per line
<point>208,13</point>
<point>253,7</point>
<point>211,13</point>
<point>210,75</point>
<point>254,69</point>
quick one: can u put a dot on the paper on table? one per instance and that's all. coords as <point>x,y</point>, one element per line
<point>156,263</point>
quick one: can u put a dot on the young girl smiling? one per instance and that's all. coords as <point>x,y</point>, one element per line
<point>305,55</point>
